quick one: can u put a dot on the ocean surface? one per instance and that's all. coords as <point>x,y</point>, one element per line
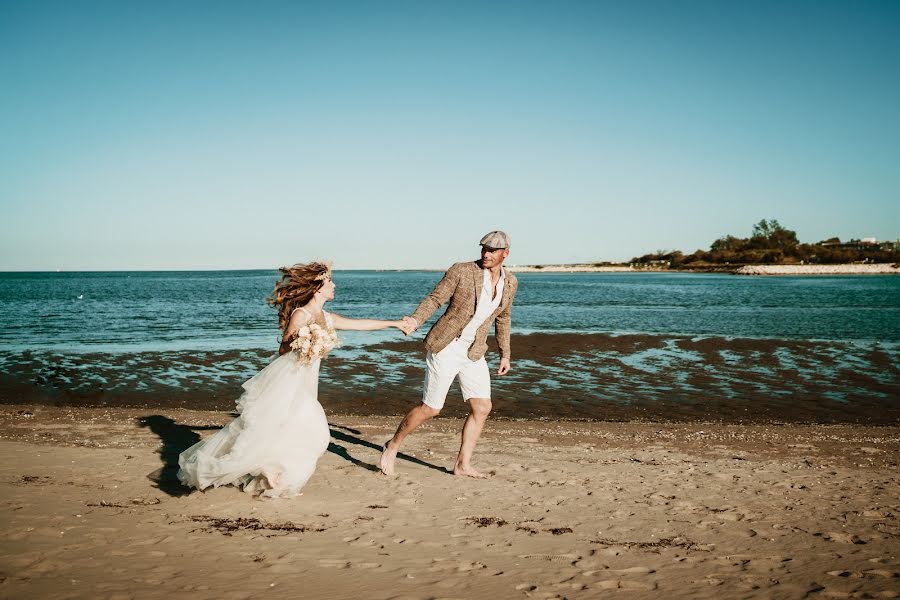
<point>108,334</point>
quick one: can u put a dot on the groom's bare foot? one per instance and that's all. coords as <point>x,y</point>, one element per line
<point>468,472</point>
<point>388,456</point>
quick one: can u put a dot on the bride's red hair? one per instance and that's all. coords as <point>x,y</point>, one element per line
<point>296,288</point>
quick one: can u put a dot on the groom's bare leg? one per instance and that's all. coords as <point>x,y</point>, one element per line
<point>413,419</point>
<point>479,409</point>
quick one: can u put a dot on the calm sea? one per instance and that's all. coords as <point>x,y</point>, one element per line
<point>139,311</point>
<point>77,330</point>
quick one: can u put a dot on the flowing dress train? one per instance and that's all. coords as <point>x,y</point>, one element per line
<point>271,449</point>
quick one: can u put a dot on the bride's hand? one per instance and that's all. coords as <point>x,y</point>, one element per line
<point>406,325</point>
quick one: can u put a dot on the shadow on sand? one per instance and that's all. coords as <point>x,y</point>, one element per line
<point>175,440</point>
<point>352,439</point>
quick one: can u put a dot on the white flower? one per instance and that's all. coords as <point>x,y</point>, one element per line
<point>313,342</point>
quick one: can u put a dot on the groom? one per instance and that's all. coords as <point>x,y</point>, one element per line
<point>480,292</point>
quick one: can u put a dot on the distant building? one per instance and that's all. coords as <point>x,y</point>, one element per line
<point>866,243</point>
<point>863,244</point>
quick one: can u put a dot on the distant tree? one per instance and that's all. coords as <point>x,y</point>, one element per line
<point>764,229</point>
<point>697,256</point>
<point>727,243</point>
<point>770,235</point>
<point>783,239</point>
<point>771,243</point>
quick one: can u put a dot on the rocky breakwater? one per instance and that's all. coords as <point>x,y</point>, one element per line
<point>868,269</point>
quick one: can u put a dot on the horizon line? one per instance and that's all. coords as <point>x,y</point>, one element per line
<point>213,269</point>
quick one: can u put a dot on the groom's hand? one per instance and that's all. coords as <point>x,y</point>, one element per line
<point>504,366</point>
<point>408,325</point>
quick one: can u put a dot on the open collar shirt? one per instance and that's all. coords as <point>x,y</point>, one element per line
<point>485,305</point>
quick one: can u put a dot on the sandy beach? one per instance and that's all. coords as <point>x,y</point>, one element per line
<point>572,509</point>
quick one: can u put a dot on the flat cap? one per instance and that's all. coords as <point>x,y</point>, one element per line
<point>495,239</point>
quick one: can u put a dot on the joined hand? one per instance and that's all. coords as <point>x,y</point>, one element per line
<point>408,325</point>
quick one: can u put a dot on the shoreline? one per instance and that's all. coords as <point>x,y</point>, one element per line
<point>688,348</point>
<point>575,510</point>
<point>579,376</point>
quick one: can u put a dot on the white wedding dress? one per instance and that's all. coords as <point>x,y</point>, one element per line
<point>272,448</point>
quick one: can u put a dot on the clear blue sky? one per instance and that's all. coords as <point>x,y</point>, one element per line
<point>394,134</point>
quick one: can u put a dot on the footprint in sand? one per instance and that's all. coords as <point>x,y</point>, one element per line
<point>846,573</point>
<point>526,587</point>
<point>883,573</point>
<point>731,516</point>
<point>634,571</point>
<point>362,542</point>
<point>552,557</point>
<point>841,537</point>
<point>441,564</point>
<point>570,585</point>
<point>624,584</point>
<point>334,563</point>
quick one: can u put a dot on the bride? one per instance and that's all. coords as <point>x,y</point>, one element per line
<point>271,449</point>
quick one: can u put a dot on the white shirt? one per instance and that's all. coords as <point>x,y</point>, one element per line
<point>484,306</point>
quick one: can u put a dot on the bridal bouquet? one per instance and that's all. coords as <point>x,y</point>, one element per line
<point>312,342</point>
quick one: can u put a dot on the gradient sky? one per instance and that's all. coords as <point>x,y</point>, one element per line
<point>181,135</point>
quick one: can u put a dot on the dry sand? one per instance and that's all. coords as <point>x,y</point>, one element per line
<point>572,510</point>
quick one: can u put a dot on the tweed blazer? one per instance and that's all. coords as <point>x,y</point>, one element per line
<point>461,285</point>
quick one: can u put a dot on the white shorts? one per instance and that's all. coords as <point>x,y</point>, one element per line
<point>443,367</point>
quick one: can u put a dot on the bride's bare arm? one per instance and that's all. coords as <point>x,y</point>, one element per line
<point>362,324</point>
<point>298,320</point>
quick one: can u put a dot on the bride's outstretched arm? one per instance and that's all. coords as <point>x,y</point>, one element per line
<point>362,324</point>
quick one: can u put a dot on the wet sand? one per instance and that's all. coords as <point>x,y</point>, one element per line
<point>555,376</point>
<point>571,510</point>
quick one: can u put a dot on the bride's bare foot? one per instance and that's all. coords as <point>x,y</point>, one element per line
<point>468,471</point>
<point>388,456</point>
